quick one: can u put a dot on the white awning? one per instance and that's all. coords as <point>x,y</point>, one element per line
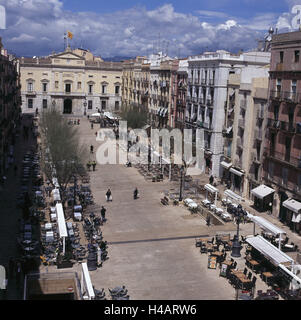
<point>236,172</point>
<point>292,205</point>
<point>226,165</point>
<point>267,249</point>
<point>159,111</point>
<point>61,220</point>
<point>56,195</point>
<point>266,225</point>
<point>262,191</point>
<point>232,195</point>
<point>87,281</point>
<point>210,188</point>
<point>296,217</point>
<point>294,277</point>
<point>162,111</point>
<point>165,112</point>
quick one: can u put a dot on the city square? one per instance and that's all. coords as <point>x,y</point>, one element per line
<point>140,173</point>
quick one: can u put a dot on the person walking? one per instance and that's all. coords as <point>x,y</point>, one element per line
<point>109,195</point>
<point>135,194</point>
<point>91,125</point>
<point>91,148</point>
<point>93,165</point>
<point>208,220</point>
<point>103,213</point>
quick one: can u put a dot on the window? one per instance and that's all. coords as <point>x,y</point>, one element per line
<point>90,88</point>
<point>30,103</point>
<point>297,55</point>
<point>79,85</point>
<point>287,148</point>
<point>30,86</point>
<point>56,84</point>
<point>116,89</point>
<point>44,87</point>
<point>281,56</point>
<point>44,103</point>
<point>276,111</point>
<point>271,169</point>
<point>103,89</point>
<point>90,104</point>
<point>68,87</point>
<point>103,105</point>
<point>294,87</point>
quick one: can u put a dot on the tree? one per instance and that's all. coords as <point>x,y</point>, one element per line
<point>63,156</point>
<point>135,115</point>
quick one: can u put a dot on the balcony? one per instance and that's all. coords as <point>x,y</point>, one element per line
<point>209,102</point>
<point>287,127</point>
<point>289,96</point>
<point>196,81</point>
<point>211,82</point>
<point>273,124</point>
<point>203,81</point>
<point>283,157</point>
<point>255,158</point>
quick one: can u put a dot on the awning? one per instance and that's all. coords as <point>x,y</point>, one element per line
<point>266,225</point>
<point>267,249</point>
<point>226,165</point>
<point>210,188</point>
<point>162,111</point>
<point>262,191</point>
<point>296,217</point>
<point>159,111</point>
<point>165,112</point>
<point>294,277</point>
<point>236,172</point>
<point>56,195</point>
<point>232,195</point>
<point>292,205</point>
<point>61,220</point>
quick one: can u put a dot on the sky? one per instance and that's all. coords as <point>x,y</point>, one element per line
<point>139,27</point>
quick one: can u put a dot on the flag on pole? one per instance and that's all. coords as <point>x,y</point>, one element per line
<point>70,35</point>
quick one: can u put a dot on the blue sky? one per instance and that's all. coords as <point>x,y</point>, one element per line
<point>132,27</point>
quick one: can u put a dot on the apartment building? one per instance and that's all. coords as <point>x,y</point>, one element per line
<point>10,101</point>
<point>244,128</point>
<point>282,154</point>
<point>74,83</point>
<point>181,93</point>
<point>208,76</point>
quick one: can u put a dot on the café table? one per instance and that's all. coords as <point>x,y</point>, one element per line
<point>218,254</point>
<point>267,276</point>
<point>253,264</point>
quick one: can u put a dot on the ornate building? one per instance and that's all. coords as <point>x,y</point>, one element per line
<point>75,82</point>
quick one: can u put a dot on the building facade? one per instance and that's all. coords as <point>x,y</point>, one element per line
<point>244,129</point>
<point>73,83</point>
<point>207,94</point>
<point>10,101</point>
<point>282,154</point>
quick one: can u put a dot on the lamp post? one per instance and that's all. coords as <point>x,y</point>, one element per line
<point>181,183</point>
<point>236,247</point>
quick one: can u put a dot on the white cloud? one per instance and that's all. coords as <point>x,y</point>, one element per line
<point>130,32</point>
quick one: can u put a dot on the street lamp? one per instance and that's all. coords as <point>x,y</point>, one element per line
<point>181,182</point>
<point>239,213</point>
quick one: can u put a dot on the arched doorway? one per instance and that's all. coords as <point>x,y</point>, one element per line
<point>67,106</point>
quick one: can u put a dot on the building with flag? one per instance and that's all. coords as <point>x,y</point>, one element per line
<point>74,81</point>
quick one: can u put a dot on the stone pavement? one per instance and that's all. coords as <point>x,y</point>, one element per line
<point>151,247</point>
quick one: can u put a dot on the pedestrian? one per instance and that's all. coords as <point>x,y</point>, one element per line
<point>109,195</point>
<point>208,220</point>
<point>93,165</point>
<point>78,121</point>
<point>103,213</point>
<point>91,148</point>
<point>135,194</point>
<point>91,125</point>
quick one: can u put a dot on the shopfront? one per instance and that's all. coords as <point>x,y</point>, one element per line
<point>293,214</point>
